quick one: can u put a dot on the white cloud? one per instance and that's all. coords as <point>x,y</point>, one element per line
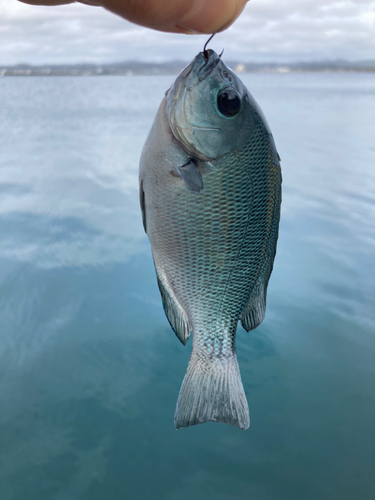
<point>268,30</point>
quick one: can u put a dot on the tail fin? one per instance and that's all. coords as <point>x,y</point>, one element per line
<point>212,390</point>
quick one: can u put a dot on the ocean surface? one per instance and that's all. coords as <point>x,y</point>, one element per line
<point>89,367</point>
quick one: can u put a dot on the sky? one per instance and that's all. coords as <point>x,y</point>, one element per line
<point>278,31</point>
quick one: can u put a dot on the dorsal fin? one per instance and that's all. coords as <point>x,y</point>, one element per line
<point>142,202</point>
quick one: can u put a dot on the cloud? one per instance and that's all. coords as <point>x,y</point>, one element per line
<point>268,30</point>
<point>308,30</point>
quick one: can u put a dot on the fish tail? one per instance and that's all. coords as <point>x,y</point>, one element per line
<point>212,390</point>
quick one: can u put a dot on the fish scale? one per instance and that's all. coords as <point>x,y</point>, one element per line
<point>208,251</point>
<point>213,246</point>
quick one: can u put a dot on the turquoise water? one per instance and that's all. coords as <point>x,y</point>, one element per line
<point>90,369</point>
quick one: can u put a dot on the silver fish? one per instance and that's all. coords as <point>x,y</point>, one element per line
<point>210,193</point>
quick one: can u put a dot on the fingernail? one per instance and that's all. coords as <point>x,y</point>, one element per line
<point>187,31</point>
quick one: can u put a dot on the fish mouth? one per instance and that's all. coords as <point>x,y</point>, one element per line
<point>205,63</point>
<point>201,66</point>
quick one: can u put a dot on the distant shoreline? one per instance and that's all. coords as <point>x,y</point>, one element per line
<point>131,68</point>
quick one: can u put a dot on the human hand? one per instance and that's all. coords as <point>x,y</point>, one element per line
<point>174,16</point>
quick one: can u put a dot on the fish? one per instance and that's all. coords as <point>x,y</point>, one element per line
<point>210,195</point>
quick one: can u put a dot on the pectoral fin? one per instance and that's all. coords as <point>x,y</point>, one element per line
<point>191,177</point>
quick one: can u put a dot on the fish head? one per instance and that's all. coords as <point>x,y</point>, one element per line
<point>209,110</point>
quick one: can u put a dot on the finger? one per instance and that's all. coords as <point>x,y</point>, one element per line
<point>176,16</point>
<point>199,16</point>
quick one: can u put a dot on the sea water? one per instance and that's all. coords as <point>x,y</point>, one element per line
<point>90,369</point>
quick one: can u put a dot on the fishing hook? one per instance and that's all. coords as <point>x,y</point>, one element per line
<point>205,52</point>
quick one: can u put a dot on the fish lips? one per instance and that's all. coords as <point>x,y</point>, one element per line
<point>204,63</point>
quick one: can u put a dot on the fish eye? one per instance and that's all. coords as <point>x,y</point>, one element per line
<point>228,103</point>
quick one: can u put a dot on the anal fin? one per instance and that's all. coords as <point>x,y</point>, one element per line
<point>173,310</point>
